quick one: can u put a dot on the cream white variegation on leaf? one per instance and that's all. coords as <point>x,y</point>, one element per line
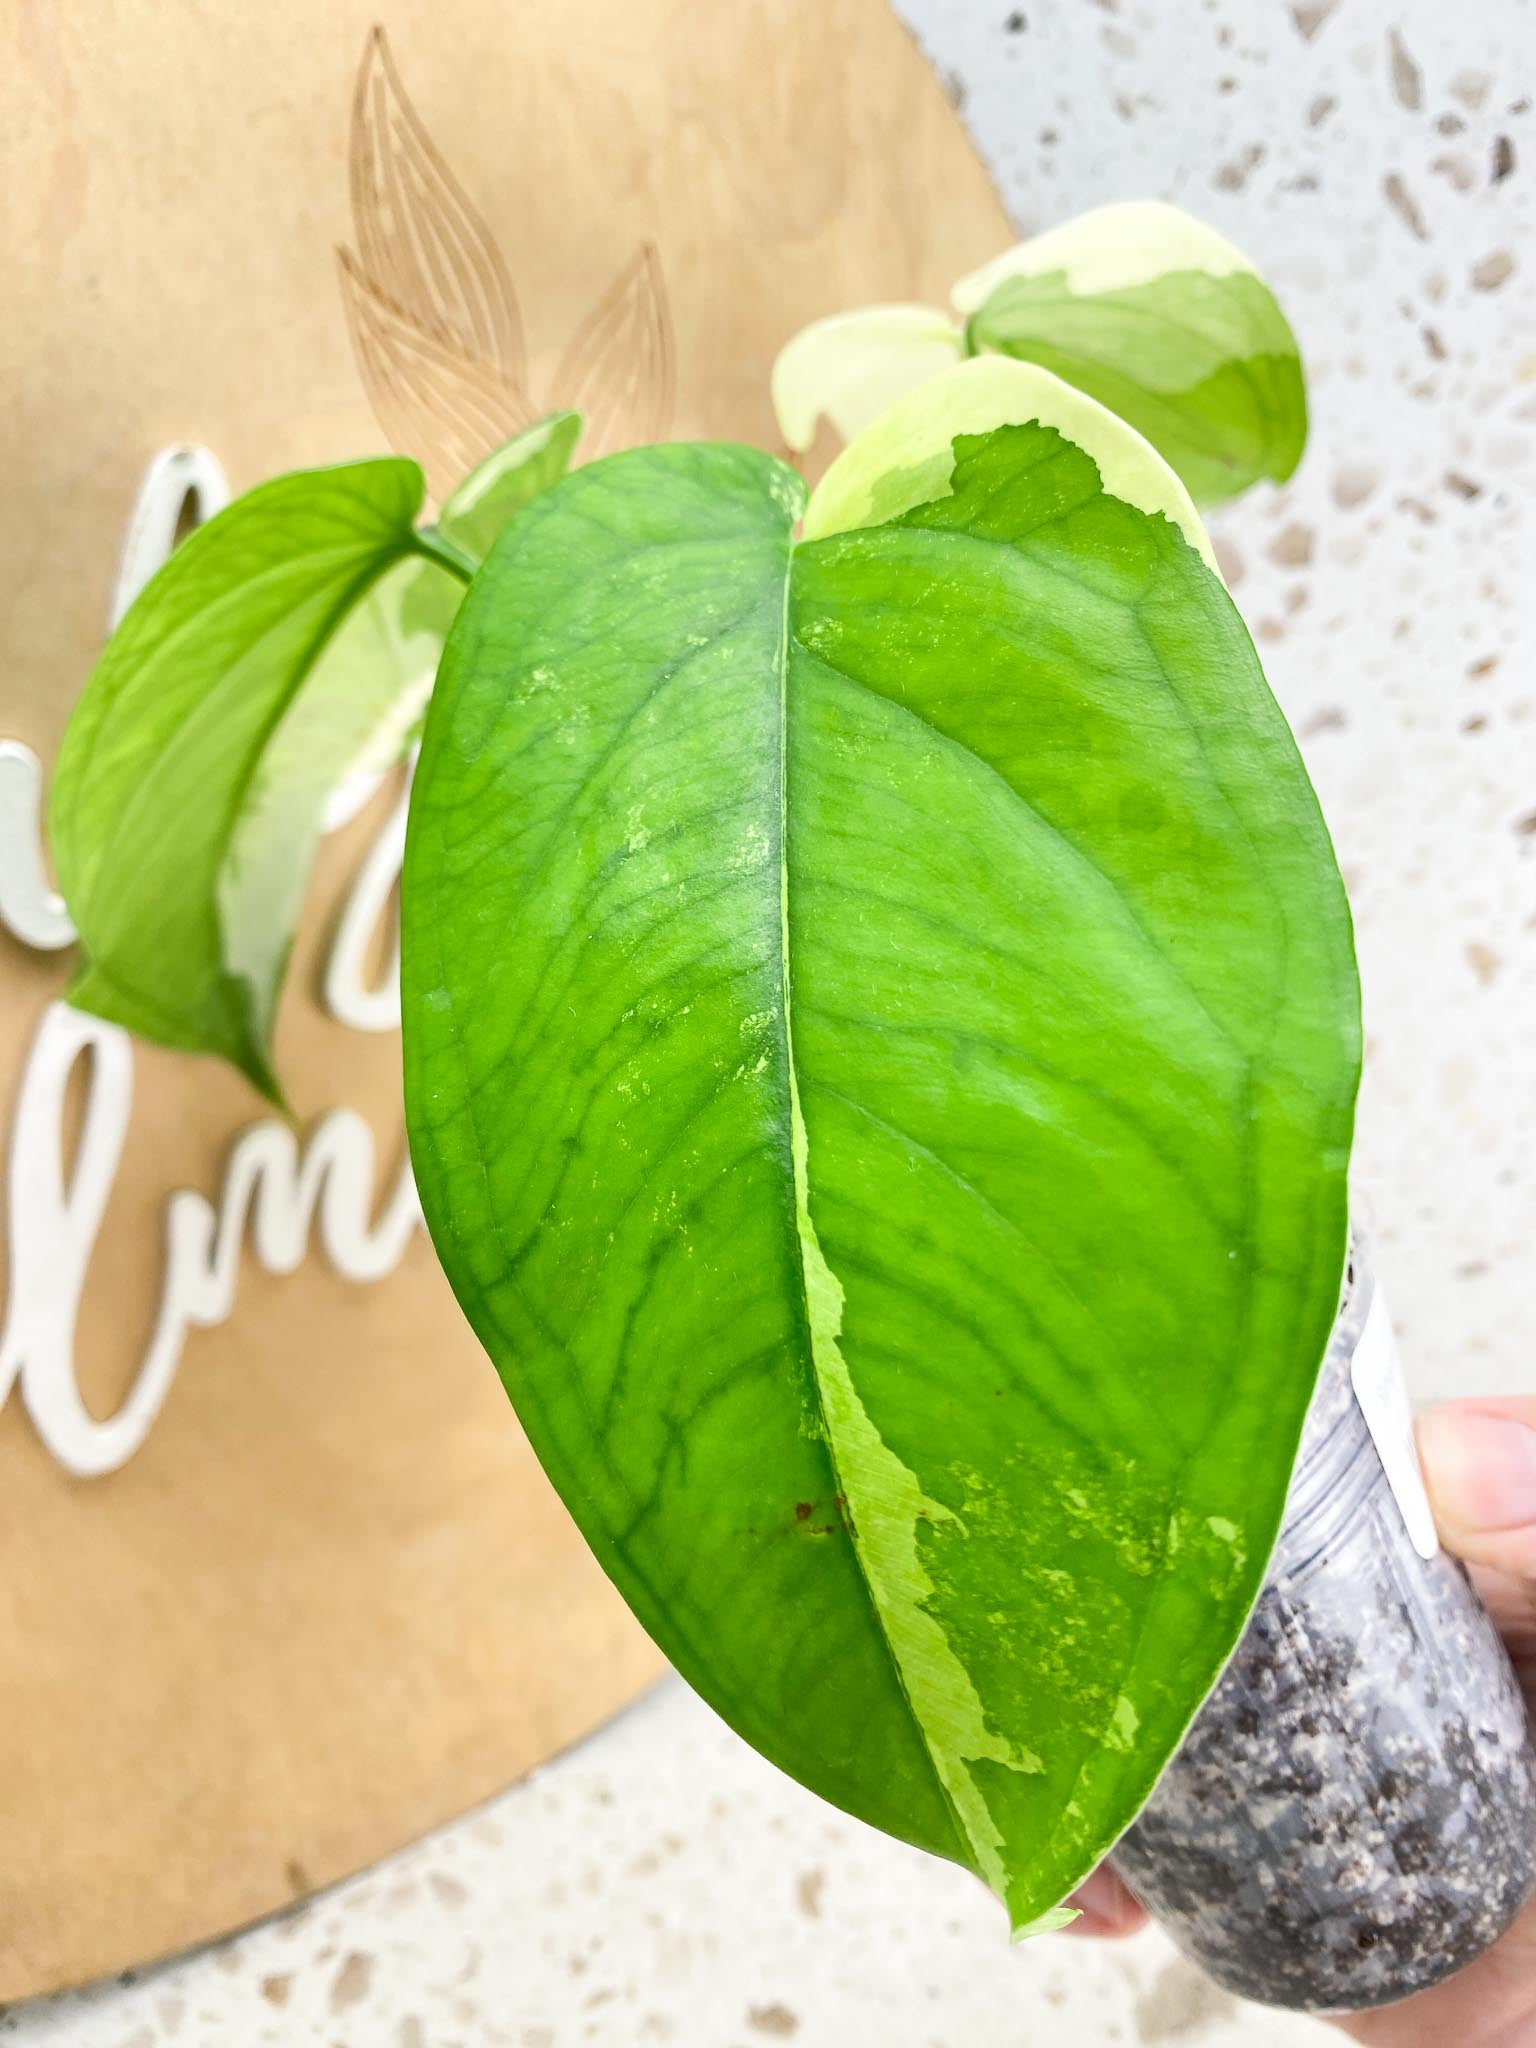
<point>1140,306</point>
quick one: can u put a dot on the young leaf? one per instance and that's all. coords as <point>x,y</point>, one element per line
<point>853,365</point>
<point>289,644</point>
<point>474,515</point>
<point>881,1040</point>
<point>1167,324</point>
<point>381,659</point>
<point>180,850</point>
<point>907,457</point>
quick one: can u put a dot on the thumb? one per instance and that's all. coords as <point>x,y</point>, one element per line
<point>1480,1467</point>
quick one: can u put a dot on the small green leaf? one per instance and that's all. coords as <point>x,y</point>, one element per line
<point>289,644</point>
<point>1165,322</point>
<point>881,1042</point>
<point>165,786</point>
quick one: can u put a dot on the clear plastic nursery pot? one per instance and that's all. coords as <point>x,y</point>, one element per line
<point>1352,1816</point>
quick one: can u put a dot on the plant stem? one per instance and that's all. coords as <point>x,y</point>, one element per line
<point>438,548</point>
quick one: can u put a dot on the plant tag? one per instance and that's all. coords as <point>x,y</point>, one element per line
<point>1377,1377</point>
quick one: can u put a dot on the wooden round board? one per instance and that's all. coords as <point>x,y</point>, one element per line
<point>281,1585</point>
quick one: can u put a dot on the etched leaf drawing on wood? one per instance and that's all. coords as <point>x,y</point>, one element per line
<point>434,316</point>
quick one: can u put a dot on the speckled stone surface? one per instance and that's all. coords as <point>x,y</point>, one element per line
<point>1352,1816</point>
<point>662,1887</point>
<point>1378,159</point>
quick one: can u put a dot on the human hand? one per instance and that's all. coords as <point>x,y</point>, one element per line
<point>1479,1462</point>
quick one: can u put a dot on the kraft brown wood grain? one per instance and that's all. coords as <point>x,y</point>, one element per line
<point>332,1602</point>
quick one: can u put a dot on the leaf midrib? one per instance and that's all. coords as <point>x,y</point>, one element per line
<point>806,1244</point>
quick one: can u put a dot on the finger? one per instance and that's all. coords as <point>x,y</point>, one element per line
<point>1106,1908</point>
<point>1511,1604</point>
<point>1480,1467</point>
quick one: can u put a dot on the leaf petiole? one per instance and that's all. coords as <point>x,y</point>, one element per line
<point>437,547</point>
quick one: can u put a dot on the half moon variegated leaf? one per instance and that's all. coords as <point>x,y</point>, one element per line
<point>907,457</point>
<point>1166,323</point>
<point>881,1041</point>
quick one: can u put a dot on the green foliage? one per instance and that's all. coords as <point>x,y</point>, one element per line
<point>881,1017</point>
<point>490,497</point>
<point>1140,306</point>
<point>1205,366</point>
<point>881,1042</point>
<point>287,643</point>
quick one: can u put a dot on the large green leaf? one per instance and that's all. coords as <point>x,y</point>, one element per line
<point>1166,323</point>
<point>881,1038</point>
<point>289,643</point>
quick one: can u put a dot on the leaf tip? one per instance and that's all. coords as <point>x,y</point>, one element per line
<point>252,1061</point>
<point>1050,1922</point>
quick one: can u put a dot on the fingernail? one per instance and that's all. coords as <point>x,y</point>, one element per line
<point>1481,1469</point>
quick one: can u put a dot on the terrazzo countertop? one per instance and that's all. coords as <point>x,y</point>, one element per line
<point>664,1885</point>
<point>660,1885</point>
